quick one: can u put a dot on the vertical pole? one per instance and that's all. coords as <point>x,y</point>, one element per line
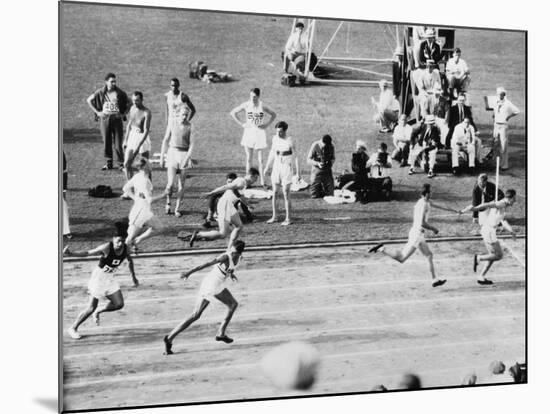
<point>496,179</point>
<point>347,38</point>
<point>311,27</point>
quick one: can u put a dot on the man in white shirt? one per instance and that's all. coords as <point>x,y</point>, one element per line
<point>465,143</point>
<point>430,81</point>
<point>295,50</point>
<point>402,140</point>
<point>387,107</point>
<point>503,111</point>
<point>458,74</point>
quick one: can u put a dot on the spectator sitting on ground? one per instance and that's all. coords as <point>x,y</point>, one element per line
<point>358,181</point>
<point>387,108</point>
<point>295,51</point>
<point>457,114</point>
<point>232,183</point>
<point>465,143</point>
<point>458,74</point>
<point>430,81</point>
<point>429,48</point>
<point>425,141</point>
<point>380,163</point>
<point>402,140</point>
<point>321,158</point>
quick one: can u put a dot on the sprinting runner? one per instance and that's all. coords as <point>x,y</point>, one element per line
<point>141,219</point>
<point>212,286</point>
<point>137,139</point>
<point>254,136</point>
<point>496,211</point>
<point>416,234</point>
<point>178,148</point>
<point>103,282</point>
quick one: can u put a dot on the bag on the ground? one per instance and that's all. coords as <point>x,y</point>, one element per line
<point>101,191</point>
<point>288,79</point>
<point>380,188</point>
<point>197,69</point>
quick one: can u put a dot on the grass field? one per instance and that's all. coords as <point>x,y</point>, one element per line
<point>146,47</point>
<point>370,318</point>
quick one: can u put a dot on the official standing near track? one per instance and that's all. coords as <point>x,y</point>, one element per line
<point>503,111</point>
<point>110,105</point>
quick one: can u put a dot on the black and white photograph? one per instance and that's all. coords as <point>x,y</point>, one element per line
<point>259,206</point>
<point>271,207</point>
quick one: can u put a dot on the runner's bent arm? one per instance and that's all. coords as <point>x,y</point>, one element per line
<point>219,259</point>
<point>192,109</point>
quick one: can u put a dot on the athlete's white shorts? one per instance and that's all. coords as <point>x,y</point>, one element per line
<point>141,215</point>
<point>134,138</point>
<point>282,173</point>
<point>175,158</point>
<point>212,284</point>
<point>102,284</point>
<point>489,234</point>
<point>254,138</point>
<point>417,241</point>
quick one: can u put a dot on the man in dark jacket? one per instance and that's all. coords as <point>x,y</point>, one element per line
<point>110,105</point>
<point>429,49</point>
<point>483,192</point>
<point>457,114</point>
<point>425,141</point>
<point>321,158</point>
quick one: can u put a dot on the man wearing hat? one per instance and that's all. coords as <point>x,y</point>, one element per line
<point>458,74</point>
<point>429,49</point>
<point>425,141</point>
<point>503,111</point>
<point>430,81</point>
<point>457,114</point>
<point>387,108</point>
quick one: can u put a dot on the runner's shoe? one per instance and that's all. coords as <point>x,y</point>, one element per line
<point>73,333</point>
<point>485,282</point>
<point>439,282</point>
<point>167,346</point>
<point>224,338</point>
<point>376,248</point>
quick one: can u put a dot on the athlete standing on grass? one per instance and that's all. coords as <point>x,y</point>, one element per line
<point>103,283</point>
<point>212,286</point>
<point>136,140</point>
<point>416,234</point>
<point>493,218</point>
<point>254,136</point>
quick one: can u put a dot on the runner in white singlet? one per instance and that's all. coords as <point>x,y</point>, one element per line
<point>495,212</point>
<point>254,126</point>
<point>142,221</point>
<point>213,286</point>
<point>416,234</point>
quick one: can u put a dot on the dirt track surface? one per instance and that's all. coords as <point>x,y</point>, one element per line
<point>370,318</point>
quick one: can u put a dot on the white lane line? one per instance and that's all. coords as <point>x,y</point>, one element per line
<point>247,366</point>
<point>293,288</point>
<point>477,297</point>
<point>256,271</point>
<point>203,345</point>
<point>513,253</point>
